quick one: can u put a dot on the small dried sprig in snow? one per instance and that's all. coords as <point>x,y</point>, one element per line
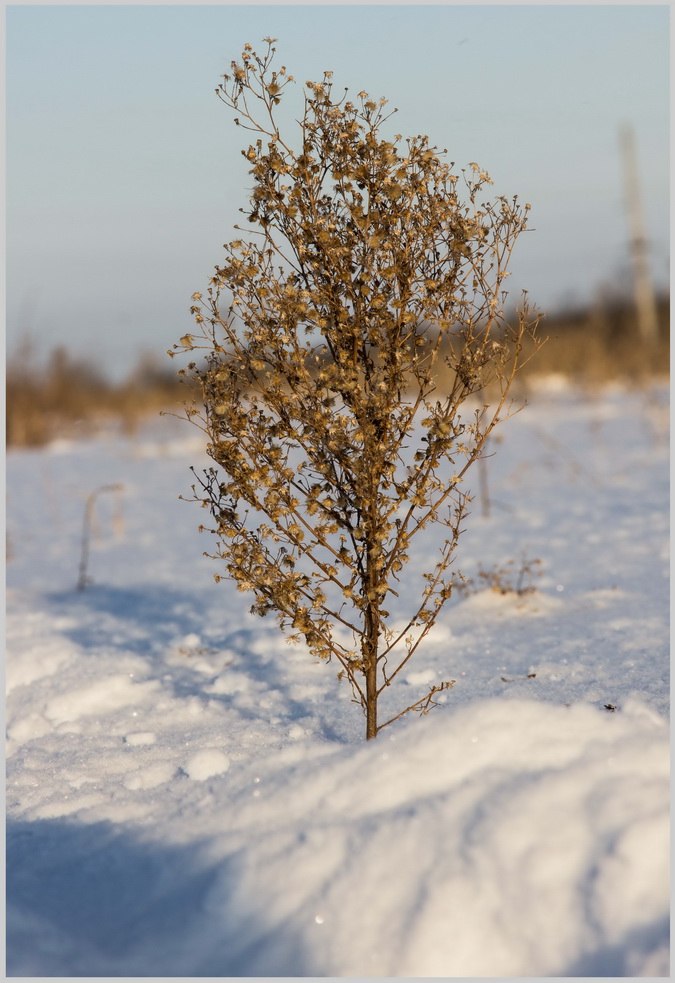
<point>365,314</point>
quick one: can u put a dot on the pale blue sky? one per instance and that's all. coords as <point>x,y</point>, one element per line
<point>124,172</point>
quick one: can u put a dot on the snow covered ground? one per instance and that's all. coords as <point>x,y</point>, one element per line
<point>189,796</point>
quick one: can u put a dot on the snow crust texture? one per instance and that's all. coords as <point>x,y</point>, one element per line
<point>188,796</point>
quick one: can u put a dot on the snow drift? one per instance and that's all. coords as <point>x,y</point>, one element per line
<point>499,839</point>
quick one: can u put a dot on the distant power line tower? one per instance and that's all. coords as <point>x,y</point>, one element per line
<point>645,301</point>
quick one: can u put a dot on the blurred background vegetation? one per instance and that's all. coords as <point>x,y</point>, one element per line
<point>67,396</point>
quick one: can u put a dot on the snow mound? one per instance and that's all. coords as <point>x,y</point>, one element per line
<point>206,764</point>
<point>549,839</point>
<point>502,838</point>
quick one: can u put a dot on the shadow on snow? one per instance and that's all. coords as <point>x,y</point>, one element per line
<point>153,622</point>
<point>98,900</point>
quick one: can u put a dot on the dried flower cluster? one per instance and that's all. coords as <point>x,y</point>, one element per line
<point>333,442</point>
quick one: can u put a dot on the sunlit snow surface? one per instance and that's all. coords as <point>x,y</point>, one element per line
<point>189,796</point>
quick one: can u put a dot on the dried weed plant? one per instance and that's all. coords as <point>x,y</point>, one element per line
<point>366,279</point>
<point>511,578</point>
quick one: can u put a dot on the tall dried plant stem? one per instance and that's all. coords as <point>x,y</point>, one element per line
<point>362,318</point>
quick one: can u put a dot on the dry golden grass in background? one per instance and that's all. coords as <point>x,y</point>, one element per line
<point>71,396</point>
<point>602,345</point>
